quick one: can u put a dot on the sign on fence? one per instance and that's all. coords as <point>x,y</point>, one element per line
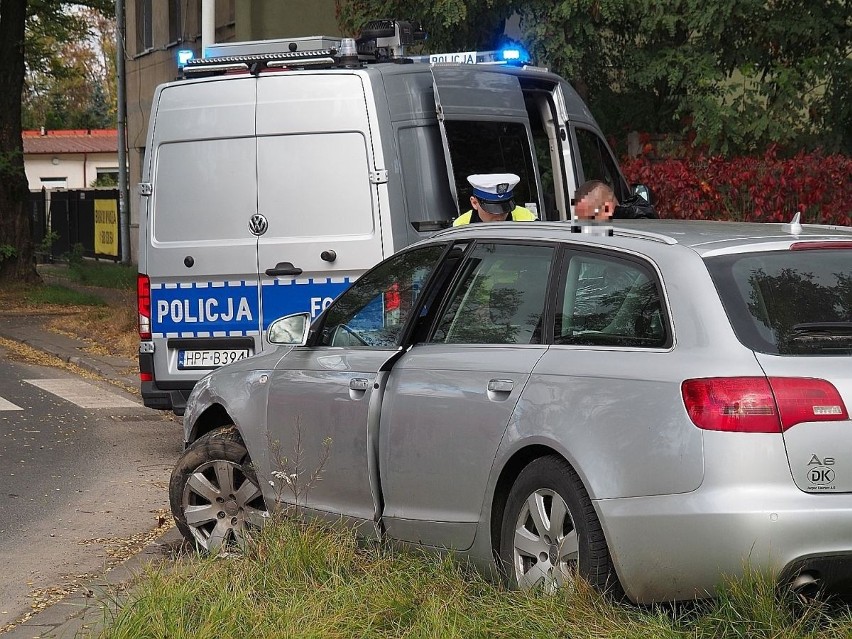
<point>106,227</point>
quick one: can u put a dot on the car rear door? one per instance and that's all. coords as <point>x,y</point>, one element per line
<point>449,399</point>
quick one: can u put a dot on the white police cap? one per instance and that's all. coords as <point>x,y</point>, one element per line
<point>493,187</point>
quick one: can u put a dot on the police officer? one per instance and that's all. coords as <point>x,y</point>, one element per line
<point>492,200</point>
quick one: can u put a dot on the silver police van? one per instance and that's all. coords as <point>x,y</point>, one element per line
<point>276,172</point>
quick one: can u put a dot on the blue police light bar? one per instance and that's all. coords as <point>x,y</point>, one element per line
<point>514,54</point>
<point>184,56</point>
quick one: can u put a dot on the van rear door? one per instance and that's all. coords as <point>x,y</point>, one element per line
<point>201,256</point>
<point>318,189</point>
<point>485,129</point>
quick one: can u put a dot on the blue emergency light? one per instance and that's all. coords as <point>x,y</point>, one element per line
<point>514,54</point>
<point>184,56</point>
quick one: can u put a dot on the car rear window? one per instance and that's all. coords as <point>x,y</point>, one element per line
<point>788,302</point>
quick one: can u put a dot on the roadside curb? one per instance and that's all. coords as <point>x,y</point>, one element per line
<point>82,613</point>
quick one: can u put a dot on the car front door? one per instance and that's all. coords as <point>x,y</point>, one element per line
<point>449,399</point>
<point>324,397</point>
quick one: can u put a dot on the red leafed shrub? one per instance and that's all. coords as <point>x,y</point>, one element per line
<point>752,189</point>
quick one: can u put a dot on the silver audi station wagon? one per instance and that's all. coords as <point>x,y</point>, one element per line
<point>655,404</point>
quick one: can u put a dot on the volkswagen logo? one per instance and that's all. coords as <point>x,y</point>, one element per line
<point>258,224</point>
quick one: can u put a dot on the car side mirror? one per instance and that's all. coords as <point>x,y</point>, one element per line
<point>291,330</point>
<point>643,191</point>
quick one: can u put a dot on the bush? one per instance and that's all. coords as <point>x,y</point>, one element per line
<point>752,189</point>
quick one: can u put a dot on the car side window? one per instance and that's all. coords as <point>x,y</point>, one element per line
<point>608,301</point>
<point>373,311</point>
<point>498,297</point>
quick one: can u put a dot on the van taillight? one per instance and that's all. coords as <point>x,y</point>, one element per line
<point>760,404</point>
<point>143,304</point>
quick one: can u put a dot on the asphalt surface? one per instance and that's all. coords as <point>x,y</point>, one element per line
<point>81,613</point>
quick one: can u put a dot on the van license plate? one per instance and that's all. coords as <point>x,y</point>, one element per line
<point>213,358</point>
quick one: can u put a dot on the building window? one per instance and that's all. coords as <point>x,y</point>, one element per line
<point>175,21</point>
<point>54,182</point>
<point>106,177</point>
<point>144,26</point>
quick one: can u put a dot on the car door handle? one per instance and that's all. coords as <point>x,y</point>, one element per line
<point>359,384</point>
<point>284,268</point>
<point>500,386</point>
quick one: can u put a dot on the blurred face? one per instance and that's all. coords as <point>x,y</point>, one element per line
<point>594,206</point>
<point>492,211</point>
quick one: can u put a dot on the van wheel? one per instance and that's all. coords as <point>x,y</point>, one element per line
<point>550,532</point>
<point>214,493</point>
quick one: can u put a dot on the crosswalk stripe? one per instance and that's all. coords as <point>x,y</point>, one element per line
<point>82,393</point>
<point>7,405</point>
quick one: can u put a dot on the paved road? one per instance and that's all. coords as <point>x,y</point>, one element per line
<point>84,468</point>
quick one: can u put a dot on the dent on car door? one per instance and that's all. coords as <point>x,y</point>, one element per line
<point>485,129</point>
<point>324,396</point>
<point>449,398</point>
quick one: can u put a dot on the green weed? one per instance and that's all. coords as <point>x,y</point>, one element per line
<point>307,580</point>
<point>59,295</point>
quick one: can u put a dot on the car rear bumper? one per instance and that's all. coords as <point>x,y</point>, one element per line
<point>671,547</point>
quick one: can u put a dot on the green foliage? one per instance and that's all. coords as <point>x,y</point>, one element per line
<point>70,66</point>
<point>61,296</point>
<point>735,75</point>
<point>7,252</point>
<point>303,580</point>
<point>75,256</point>
<point>105,179</point>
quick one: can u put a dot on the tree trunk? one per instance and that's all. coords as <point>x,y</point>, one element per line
<point>16,246</point>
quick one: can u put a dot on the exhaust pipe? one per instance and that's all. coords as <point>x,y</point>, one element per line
<point>806,584</point>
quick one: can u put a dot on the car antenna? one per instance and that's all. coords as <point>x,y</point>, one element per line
<point>794,226</point>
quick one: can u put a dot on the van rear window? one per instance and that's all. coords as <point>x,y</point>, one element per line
<point>788,302</point>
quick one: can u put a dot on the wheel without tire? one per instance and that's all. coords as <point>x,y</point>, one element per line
<point>214,492</point>
<point>550,531</point>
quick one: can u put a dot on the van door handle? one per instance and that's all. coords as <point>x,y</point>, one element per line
<point>284,268</point>
<point>358,384</point>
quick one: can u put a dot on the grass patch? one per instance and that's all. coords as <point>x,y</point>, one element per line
<point>62,296</point>
<point>304,580</point>
<point>103,274</point>
<point>92,273</point>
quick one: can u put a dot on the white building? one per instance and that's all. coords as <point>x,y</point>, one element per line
<point>70,159</point>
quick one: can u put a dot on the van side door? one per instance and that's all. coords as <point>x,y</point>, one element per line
<point>485,129</point>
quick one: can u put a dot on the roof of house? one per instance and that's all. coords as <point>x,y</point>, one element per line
<point>71,141</point>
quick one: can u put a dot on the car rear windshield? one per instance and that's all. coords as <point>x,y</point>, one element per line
<point>795,302</point>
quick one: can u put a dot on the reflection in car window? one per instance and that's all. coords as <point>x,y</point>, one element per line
<point>499,297</point>
<point>607,301</point>
<point>373,311</point>
<point>788,302</point>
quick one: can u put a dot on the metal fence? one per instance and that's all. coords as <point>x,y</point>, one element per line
<point>75,221</point>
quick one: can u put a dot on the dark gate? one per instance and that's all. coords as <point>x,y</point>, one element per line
<point>87,218</point>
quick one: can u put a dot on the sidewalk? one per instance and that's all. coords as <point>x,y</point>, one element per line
<point>81,614</point>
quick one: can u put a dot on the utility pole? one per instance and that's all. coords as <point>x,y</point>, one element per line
<point>123,212</point>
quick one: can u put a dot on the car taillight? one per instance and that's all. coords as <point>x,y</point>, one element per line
<point>143,304</point>
<point>804,399</point>
<point>760,405</point>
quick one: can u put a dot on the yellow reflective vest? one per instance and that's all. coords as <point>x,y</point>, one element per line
<point>518,214</point>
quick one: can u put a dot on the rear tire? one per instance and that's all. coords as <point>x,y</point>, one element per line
<point>550,531</point>
<point>214,493</point>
